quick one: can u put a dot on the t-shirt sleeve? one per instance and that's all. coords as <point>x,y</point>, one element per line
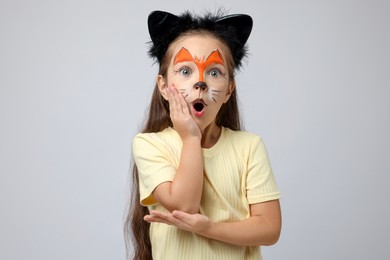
<point>260,181</point>
<point>154,168</point>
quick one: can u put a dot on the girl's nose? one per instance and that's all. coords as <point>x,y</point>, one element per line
<point>200,85</point>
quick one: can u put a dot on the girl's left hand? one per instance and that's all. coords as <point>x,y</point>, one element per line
<point>195,223</point>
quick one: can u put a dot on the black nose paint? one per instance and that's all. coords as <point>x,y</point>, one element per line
<point>200,85</point>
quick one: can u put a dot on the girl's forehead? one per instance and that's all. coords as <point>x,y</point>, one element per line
<point>199,45</point>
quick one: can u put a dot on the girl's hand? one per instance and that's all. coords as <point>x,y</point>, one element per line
<point>195,223</point>
<point>181,116</point>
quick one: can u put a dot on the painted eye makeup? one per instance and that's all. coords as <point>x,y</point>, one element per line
<point>216,72</point>
<point>202,63</point>
<point>184,71</point>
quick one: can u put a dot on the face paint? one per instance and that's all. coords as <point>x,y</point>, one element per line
<point>184,55</point>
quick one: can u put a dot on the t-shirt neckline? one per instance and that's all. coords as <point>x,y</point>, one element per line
<point>207,152</point>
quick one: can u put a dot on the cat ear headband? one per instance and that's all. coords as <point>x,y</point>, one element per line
<point>234,30</point>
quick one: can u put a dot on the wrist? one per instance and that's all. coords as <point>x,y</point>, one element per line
<point>191,140</point>
<point>208,229</point>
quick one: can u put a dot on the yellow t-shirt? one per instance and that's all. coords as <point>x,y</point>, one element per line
<point>237,173</point>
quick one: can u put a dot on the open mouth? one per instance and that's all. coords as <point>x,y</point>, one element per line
<point>198,106</point>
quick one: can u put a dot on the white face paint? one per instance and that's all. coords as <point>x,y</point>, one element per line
<point>198,69</point>
<point>210,71</point>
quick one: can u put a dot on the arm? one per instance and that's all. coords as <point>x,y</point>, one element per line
<point>185,191</point>
<point>261,228</point>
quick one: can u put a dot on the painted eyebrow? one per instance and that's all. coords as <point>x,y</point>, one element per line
<point>184,55</point>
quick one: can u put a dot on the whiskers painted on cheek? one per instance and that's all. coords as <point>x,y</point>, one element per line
<point>215,94</point>
<point>183,92</point>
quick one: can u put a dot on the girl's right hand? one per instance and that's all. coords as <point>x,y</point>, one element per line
<point>182,119</point>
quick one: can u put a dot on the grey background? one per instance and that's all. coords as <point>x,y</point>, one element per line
<point>75,81</point>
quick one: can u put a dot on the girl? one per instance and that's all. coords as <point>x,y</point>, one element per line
<point>204,188</point>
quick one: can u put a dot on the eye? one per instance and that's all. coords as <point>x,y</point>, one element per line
<point>185,71</point>
<point>215,72</point>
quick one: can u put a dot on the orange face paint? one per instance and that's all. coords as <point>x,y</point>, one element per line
<point>184,55</point>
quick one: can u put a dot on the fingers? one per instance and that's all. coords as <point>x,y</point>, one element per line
<point>158,216</point>
<point>179,111</point>
<point>189,219</point>
<point>153,218</point>
<point>172,99</point>
<point>181,215</point>
<point>166,218</point>
<point>182,102</point>
<point>196,223</point>
<point>177,103</point>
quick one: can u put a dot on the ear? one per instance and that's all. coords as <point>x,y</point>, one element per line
<point>231,87</point>
<point>162,86</point>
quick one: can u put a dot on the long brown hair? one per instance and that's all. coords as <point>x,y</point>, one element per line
<point>136,229</point>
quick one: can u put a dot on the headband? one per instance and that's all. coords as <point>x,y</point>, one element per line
<point>234,30</point>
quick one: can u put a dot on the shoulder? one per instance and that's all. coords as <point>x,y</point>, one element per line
<point>167,133</point>
<point>167,136</point>
<point>241,143</point>
<point>241,137</point>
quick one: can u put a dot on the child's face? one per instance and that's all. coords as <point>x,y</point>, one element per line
<point>199,70</point>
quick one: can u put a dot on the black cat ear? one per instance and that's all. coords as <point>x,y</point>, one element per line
<point>234,30</point>
<point>160,24</point>
<point>242,22</point>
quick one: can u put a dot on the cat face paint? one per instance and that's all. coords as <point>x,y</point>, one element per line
<point>198,69</point>
<point>207,73</point>
<point>214,58</point>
